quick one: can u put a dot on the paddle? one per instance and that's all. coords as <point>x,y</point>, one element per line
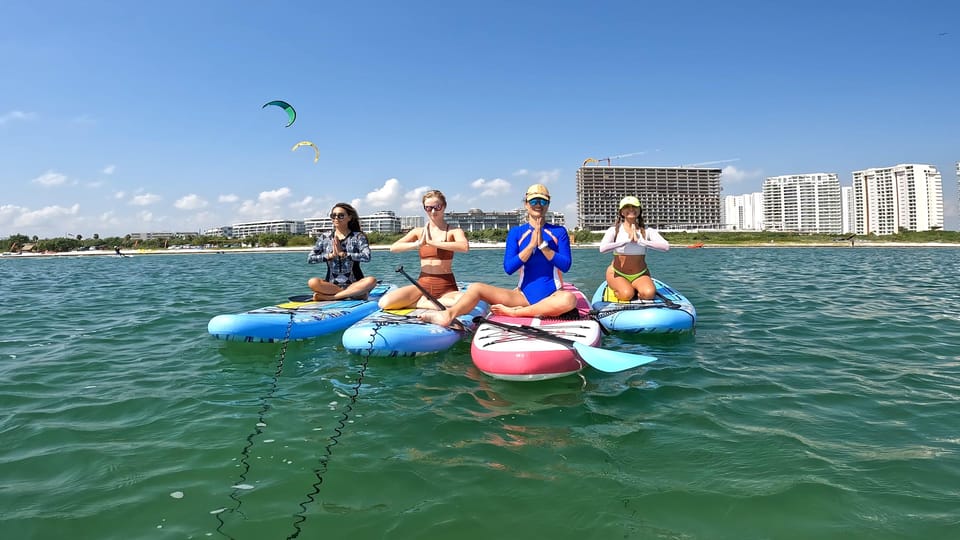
<point>423,291</point>
<point>431,298</point>
<point>601,359</point>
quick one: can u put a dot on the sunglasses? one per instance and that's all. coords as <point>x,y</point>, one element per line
<point>433,208</point>
<point>538,202</point>
<point>338,216</point>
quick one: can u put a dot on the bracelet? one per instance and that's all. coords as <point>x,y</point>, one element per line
<point>543,245</point>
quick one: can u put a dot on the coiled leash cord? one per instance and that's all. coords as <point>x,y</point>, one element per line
<point>257,430</point>
<point>300,517</point>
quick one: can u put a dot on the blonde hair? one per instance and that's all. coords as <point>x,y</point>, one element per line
<point>436,194</point>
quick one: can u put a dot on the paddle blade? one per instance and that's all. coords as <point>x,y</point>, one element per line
<point>610,361</point>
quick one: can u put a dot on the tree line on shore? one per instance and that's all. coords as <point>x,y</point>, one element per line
<point>20,242</point>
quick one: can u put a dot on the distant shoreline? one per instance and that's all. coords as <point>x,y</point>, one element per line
<point>500,245</point>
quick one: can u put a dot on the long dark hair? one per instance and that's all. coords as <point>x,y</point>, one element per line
<point>354,223</point>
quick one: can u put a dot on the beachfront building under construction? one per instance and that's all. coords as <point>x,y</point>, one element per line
<point>673,198</point>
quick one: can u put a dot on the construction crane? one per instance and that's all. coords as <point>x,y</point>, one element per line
<point>607,159</point>
<point>710,162</point>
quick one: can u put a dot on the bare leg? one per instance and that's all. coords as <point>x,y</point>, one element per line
<point>621,287</point>
<point>322,290</point>
<point>357,289</point>
<point>557,303</point>
<point>401,298</point>
<point>470,298</point>
<point>646,290</point>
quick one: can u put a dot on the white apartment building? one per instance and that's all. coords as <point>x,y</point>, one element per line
<point>277,226</point>
<point>743,212</point>
<point>848,205</point>
<point>225,231</point>
<point>160,235</point>
<point>907,196</point>
<point>384,221</point>
<point>806,203</point>
<point>478,220</point>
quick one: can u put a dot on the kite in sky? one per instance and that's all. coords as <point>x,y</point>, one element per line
<point>292,114</point>
<point>316,156</point>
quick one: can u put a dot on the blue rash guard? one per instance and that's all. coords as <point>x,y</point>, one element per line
<point>539,276</point>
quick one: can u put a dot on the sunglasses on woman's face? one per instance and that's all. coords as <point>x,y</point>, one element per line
<point>338,216</point>
<point>538,202</point>
<point>433,208</point>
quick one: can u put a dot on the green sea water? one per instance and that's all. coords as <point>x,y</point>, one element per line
<point>818,398</point>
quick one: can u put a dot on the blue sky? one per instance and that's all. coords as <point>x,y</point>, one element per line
<point>120,117</point>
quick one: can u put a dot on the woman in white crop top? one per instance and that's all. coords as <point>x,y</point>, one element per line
<point>628,275</point>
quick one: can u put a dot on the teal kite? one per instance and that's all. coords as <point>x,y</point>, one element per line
<point>285,106</point>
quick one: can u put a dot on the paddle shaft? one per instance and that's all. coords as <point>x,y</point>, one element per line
<point>416,284</point>
<point>604,360</point>
<point>527,330</point>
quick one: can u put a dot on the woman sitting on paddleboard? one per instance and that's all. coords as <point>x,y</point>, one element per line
<point>628,276</point>
<point>541,251</point>
<point>343,249</point>
<point>437,243</point>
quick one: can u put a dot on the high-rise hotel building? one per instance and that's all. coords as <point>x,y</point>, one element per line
<point>673,198</point>
<point>903,197</point>
<point>806,203</point>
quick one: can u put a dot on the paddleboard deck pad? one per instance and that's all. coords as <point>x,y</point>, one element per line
<point>399,332</point>
<point>302,319</point>
<point>670,312</point>
<point>506,354</point>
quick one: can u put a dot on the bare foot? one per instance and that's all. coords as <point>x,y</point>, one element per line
<point>441,318</point>
<point>319,297</point>
<point>500,309</point>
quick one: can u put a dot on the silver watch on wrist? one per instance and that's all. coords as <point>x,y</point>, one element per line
<point>543,244</point>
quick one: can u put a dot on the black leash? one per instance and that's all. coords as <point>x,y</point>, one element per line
<point>258,430</point>
<point>301,516</point>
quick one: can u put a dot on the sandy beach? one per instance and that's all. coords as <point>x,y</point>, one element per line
<point>500,245</point>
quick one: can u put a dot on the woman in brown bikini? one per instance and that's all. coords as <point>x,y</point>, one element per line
<point>437,243</point>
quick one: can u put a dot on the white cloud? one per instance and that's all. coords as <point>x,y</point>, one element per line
<point>190,202</point>
<point>267,205</point>
<point>109,169</point>
<point>733,175</point>
<point>109,219</point>
<point>275,196</point>
<point>538,177</point>
<point>50,178</point>
<point>414,199</point>
<point>309,207</point>
<point>230,198</point>
<point>119,195</point>
<point>306,202</point>
<point>145,200</point>
<point>386,196</point>
<point>491,188</point>
<point>15,115</point>
<point>18,216</point>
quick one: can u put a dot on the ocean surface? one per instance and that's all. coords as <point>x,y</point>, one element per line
<point>818,398</point>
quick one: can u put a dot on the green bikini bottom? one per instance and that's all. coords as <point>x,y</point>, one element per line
<point>631,277</point>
